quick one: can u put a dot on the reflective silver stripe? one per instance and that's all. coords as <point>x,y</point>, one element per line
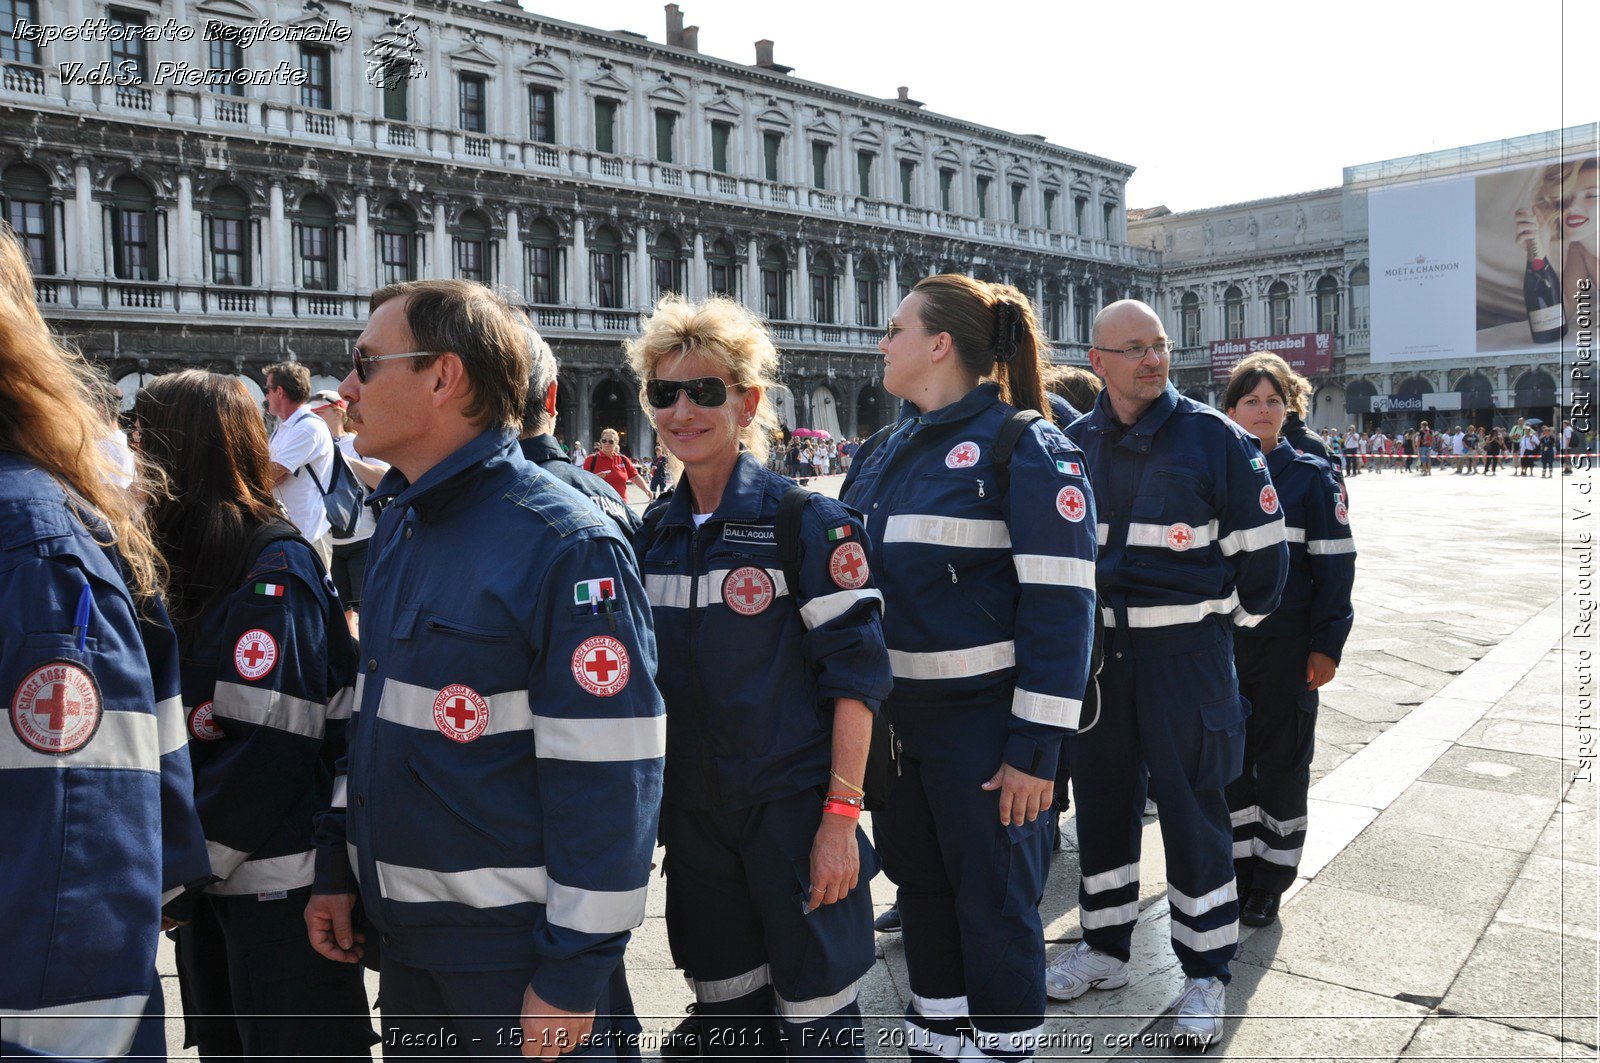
<point>673,592</point>
<point>224,861</point>
<point>344,702</point>
<point>1102,533</point>
<point>1095,918</point>
<point>89,1029</point>
<point>1111,880</point>
<point>668,592</point>
<point>947,531</point>
<point>595,911</point>
<point>1242,849</point>
<point>1284,857</point>
<point>1294,535</point>
<point>481,887</point>
<point>1198,906</point>
<point>1010,1043</point>
<point>172,725</point>
<point>1283,827</point>
<point>355,864</point>
<point>940,1007</point>
<point>1054,571</point>
<point>819,611</point>
<point>1330,546</point>
<point>1173,615</point>
<point>596,740</point>
<point>1258,538</point>
<point>721,990</point>
<point>1207,940</point>
<point>804,1011</point>
<point>1045,708</point>
<point>269,875</point>
<point>922,1039</point>
<point>1243,817</point>
<point>341,792</point>
<point>412,706</point>
<point>953,664</point>
<point>360,692</point>
<point>269,708</point>
<point>1156,535</point>
<point>1241,618</point>
<point>124,741</point>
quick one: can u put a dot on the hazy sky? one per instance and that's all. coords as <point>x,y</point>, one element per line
<point>1212,102</point>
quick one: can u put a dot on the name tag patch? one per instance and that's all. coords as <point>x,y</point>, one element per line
<point>758,534</point>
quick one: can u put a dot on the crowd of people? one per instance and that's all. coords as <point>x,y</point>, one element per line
<point>444,742</point>
<point>1466,451</point>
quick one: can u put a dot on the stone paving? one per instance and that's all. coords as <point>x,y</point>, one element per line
<point>1447,905</point>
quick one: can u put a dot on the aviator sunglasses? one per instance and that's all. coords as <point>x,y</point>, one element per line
<point>707,391</point>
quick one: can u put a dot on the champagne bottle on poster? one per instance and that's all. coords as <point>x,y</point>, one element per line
<point>1541,294</point>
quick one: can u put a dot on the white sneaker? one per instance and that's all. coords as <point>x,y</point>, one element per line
<point>1199,1007</point>
<point>1081,969</point>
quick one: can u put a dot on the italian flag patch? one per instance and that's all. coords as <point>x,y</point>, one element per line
<point>841,532</point>
<point>1071,468</point>
<point>1258,463</point>
<point>592,591</point>
<point>271,590</point>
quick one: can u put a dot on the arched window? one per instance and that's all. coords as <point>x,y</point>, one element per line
<point>775,283</point>
<point>1189,319</point>
<point>1281,309</point>
<point>666,264</point>
<point>824,289</point>
<point>1083,313</point>
<point>544,263</point>
<point>1360,299</point>
<point>397,244</point>
<point>907,275</point>
<point>1233,313</point>
<point>472,247</point>
<point>230,237</point>
<point>1476,392</point>
<point>318,257</point>
<point>869,311</point>
<point>607,262</point>
<point>1358,396</point>
<point>723,265</point>
<point>26,192</point>
<point>133,236</point>
<point>1327,305</point>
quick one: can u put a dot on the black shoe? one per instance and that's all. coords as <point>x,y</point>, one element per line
<point>1260,908</point>
<point>888,922</point>
<point>685,1042</point>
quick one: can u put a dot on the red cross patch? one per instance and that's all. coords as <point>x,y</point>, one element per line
<point>1269,499</point>
<point>600,665</point>
<point>460,713</point>
<point>1341,513</point>
<point>202,725</point>
<point>848,566</point>
<point>748,591</point>
<point>255,654</point>
<point>1180,537</point>
<point>962,456</point>
<point>56,708</point>
<point>1071,504</point>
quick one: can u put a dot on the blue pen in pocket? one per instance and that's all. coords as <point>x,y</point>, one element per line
<point>80,620</point>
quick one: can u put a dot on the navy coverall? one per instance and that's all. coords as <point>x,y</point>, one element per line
<point>750,669</point>
<point>94,770</point>
<point>989,618</point>
<point>1268,799</point>
<point>1192,544</point>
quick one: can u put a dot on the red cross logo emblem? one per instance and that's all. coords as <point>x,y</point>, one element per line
<point>255,654</point>
<point>1180,537</point>
<point>1269,499</point>
<point>848,566</point>
<point>1071,504</point>
<point>748,591</point>
<point>600,665</point>
<point>1341,513</point>
<point>56,708</point>
<point>203,725</point>
<point>460,713</point>
<point>962,456</point>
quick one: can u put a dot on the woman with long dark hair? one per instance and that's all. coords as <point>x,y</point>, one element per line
<point>267,663</point>
<point>982,530</point>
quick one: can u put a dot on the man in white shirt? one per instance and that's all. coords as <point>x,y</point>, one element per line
<point>349,567</point>
<point>302,455</point>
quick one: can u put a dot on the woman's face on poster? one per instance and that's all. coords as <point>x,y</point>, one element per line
<point>1581,207</point>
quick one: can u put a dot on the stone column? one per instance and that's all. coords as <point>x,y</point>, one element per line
<point>511,267</point>
<point>752,286</point>
<point>801,310</point>
<point>578,275</point>
<point>698,285</point>
<point>88,260</point>
<point>894,285</point>
<point>440,262</point>
<point>182,253</point>
<point>362,253</point>
<point>277,247</point>
<point>848,297</point>
<point>643,294</point>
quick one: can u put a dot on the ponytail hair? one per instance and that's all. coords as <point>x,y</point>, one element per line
<point>996,334</point>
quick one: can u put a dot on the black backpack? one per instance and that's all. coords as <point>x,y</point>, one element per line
<point>342,497</point>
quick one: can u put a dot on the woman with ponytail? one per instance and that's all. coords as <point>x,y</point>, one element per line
<point>982,532</point>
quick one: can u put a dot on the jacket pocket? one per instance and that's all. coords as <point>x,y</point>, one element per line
<point>442,625</point>
<point>445,803</point>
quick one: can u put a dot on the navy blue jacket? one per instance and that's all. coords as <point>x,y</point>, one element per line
<point>750,666</point>
<point>267,684</point>
<point>989,597</point>
<point>1193,533</point>
<point>505,754</point>
<point>546,453</point>
<point>1322,555</point>
<point>94,770</point>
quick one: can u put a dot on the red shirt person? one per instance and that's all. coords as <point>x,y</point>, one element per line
<point>613,466</point>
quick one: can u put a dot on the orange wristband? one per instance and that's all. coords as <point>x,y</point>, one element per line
<point>839,808</point>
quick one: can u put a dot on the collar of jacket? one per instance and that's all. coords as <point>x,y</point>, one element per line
<point>540,449</point>
<point>981,397</point>
<point>450,481</point>
<point>1101,419</point>
<point>741,499</point>
<point>1279,457</point>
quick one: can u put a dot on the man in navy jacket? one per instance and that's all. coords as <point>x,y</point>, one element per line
<point>504,773</point>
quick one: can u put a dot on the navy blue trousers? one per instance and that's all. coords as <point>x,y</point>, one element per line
<point>1180,715</point>
<point>1268,799</point>
<point>969,887</point>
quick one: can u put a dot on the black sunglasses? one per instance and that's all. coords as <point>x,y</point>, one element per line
<point>707,391</point>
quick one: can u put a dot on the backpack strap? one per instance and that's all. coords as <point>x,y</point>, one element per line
<point>871,443</point>
<point>1005,441</point>
<point>787,533</point>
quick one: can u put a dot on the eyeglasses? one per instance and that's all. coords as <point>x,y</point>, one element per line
<point>363,362</point>
<point>1134,352</point>
<point>707,391</point>
<point>891,330</point>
